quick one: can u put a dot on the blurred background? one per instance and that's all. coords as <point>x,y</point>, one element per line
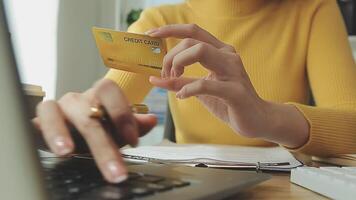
<point>55,48</point>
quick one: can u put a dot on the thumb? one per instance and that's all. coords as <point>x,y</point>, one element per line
<point>173,84</point>
<point>202,87</point>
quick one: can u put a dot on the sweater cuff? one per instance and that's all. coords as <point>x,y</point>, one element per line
<point>331,131</point>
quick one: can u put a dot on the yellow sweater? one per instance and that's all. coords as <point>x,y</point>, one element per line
<point>292,50</point>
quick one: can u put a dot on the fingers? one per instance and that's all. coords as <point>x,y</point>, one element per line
<point>188,87</point>
<point>207,55</point>
<point>51,122</point>
<point>174,84</point>
<point>186,31</point>
<point>36,122</point>
<point>168,59</point>
<point>105,152</point>
<point>195,39</point>
<point>119,110</point>
<point>145,122</point>
<point>77,109</point>
<point>202,87</point>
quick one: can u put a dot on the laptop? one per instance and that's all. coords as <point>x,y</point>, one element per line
<point>24,175</point>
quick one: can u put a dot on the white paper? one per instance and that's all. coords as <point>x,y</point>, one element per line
<point>216,155</point>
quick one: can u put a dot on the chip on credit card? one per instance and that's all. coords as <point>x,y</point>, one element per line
<point>131,52</point>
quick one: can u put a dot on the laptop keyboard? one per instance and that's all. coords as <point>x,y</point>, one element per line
<point>64,184</point>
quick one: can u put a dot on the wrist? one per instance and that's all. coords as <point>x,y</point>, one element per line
<point>285,125</point>
<point>254,119</point>
<point>272,120</point>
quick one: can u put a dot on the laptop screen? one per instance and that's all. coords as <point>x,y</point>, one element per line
<point>19,165</point>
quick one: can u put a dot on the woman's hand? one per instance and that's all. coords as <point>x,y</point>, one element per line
<point>227,90</point>
<point>73,110</point>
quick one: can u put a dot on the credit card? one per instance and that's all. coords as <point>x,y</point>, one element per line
<point>131,52</point>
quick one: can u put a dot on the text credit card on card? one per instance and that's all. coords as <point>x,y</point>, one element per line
<point>130,52</point>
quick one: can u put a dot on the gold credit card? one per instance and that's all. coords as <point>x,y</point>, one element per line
<point>130,51</point>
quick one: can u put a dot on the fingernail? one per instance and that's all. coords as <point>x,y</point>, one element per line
<point>61,146</point>
<point>153,78</point>
<point>179,95</point>
<point>116,175</point>
<point>149,32</point>
<point>134,145</point>
<point>150,79</point>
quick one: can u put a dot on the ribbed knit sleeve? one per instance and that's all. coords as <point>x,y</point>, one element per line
<point>136,86</point>
<point>331,72</point>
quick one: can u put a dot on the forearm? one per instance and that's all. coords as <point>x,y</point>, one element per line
<point>286,125</point>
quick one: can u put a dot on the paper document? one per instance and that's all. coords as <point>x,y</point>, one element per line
<point>219,156</point>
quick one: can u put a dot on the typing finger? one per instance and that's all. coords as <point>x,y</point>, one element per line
<point>145,122</point>
<point>103,149</point>
<point>36,122</point>
<point>53,127</point>
<point>117,106</point>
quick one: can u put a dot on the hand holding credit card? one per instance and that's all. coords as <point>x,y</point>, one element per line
<point>130,52</point>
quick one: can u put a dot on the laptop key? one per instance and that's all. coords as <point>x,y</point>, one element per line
<point>60,183</point>
<point>68,181</point>
<point>59,196</point>
<point>180,183</point>
<point>108,192</point>
<point>175,182</point>
<point>159,187</point>
<point>133,175</point>
<point>74,190</point>
<point>150,178</point>
<point>91,185</point>
<point>79,188</point>
<point>64,193</point>
<point>141,191</point>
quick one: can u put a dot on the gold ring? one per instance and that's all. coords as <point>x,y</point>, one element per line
<point>97,112</point>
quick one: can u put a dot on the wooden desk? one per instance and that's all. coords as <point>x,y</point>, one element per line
<point>278,187</point>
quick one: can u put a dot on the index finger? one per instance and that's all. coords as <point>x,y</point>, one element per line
<point>186,31</point>
<point>117,106</point>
